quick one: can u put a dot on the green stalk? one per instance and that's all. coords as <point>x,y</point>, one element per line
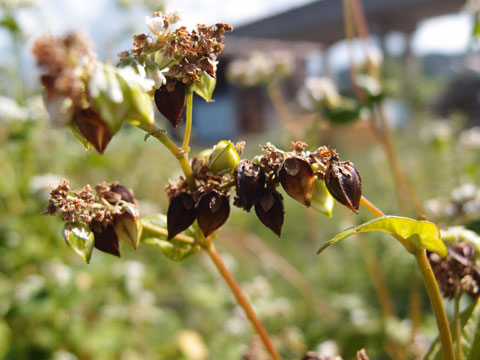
<point>188,125</point>
<point>163,232</point>
<point>432,290</point>
<point>179,153</point>
<point>437,305</point>
<point>458,324</point>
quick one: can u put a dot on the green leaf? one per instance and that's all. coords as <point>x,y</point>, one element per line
<point>177,251</point>
<point>347,112</point>
<point>173,249</point>
<point>470,335</point>
<point>413,234</point>
<point>10,24</point>
<point>80,238</point>
<point>205,87</point>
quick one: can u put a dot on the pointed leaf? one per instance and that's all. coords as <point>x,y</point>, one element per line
<point>80,238</point>
<point>413,234</point>
<point>205,87</point>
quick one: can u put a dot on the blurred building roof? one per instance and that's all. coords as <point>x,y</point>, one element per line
<point>322,21</point>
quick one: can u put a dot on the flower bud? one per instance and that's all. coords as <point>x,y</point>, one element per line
<point>88,124</point>
<point>249,183</point>
<point>181,214</point>
<point>170,100</point>
<point>128,227</point>
<point>322,200</point>
<point>223,158</point>
<point>80,238</point>
<point>106,239</point>
<point>297,179</point>
<point>213,210</point>
<point>269,210</point>
<point>344,183</point>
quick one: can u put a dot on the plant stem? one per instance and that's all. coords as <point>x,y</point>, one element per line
<point>458,325</point>
<point>179,153</point>
<point>163,232</point>
<point>437,305</point>
<point>241,299</point>
<point>370,207</point>
<point>188,125</point>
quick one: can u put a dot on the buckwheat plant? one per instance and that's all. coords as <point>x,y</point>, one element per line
<point>168,65</point>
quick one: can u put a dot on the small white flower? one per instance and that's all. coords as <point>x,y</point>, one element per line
<point>105,81</point>
<point>321,88</point>
<point>440,130</point>
<point>42,184</point>
<point>10,110</point>
<point>463,193</point>
<point>470,138</point>
<point>64,355</point>
<point>131,76</point>
<point>30,286</point>
<point>328,349</point>
<point>156,24</point>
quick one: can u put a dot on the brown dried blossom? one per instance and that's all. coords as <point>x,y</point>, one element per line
<point>60,58</point>
<point>85,207</point>
<point>458,271</point>
<point>186,53</point>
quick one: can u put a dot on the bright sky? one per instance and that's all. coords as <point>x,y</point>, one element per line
<point>111,28</point>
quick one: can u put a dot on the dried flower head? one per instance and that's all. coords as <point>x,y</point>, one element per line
<point>458,271</point>
<point>61,58</point>
<point>183,53</point>
<point>111,213</point>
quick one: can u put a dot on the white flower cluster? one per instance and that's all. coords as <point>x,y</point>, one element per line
<point>464,202</point>
<point>159,25</point>
<point>261,68</point>
<point>11,111</point>
<point>438,132</point>
<point>317,91</point>
<point>459,234</point>
<point>470,138</point>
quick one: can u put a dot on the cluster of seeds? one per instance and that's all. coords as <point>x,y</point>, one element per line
<point>458,271</point>
<point>111,213</point>
<point>255,183</point>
